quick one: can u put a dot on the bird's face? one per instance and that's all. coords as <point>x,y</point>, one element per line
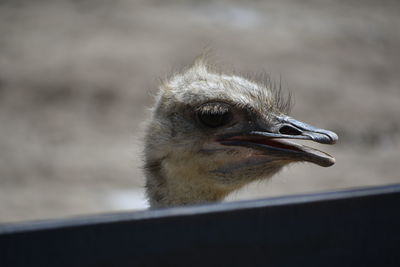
<point>229,131</point>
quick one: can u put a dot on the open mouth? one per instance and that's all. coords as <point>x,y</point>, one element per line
<point>272,140</point>
<point>281,148</point>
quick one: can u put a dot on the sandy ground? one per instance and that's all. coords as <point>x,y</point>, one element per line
<point>77,78</point>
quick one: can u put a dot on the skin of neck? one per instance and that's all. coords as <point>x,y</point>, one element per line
<point>173,181</point>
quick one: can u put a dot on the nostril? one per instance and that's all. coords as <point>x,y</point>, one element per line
<point>289,130</point>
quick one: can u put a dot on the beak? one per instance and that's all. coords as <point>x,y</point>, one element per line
<point>290,128</point>
<point>269,140</point>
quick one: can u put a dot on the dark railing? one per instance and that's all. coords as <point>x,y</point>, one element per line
<point>346,228</point>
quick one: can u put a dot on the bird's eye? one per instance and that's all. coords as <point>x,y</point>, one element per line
<point>214,116</point>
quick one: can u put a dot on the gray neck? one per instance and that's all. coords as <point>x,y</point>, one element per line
<point>164,190</point>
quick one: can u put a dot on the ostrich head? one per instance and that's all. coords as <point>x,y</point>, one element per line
<point>212,133</point>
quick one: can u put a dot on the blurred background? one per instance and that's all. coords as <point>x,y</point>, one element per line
<point>77,79</point>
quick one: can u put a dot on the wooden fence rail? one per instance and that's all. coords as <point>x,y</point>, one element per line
<point>345,228</point>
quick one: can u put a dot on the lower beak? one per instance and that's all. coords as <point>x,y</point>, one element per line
<point>270,140</point>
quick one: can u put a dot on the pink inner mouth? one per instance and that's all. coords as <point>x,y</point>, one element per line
<point>307,153</point>
<point>269,142</point>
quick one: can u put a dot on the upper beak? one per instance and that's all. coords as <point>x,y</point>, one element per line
<point>290,128</point>
<point>268,140</point>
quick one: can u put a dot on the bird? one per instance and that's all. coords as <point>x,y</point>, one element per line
<point>212,133</point>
